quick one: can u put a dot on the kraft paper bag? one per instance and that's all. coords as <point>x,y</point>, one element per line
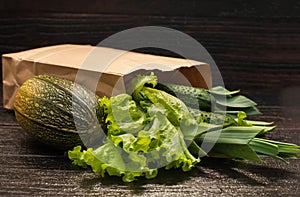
<point>104,70</point>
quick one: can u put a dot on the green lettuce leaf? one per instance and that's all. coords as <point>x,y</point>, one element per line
<point>143,134</point>
<point>175,110</point>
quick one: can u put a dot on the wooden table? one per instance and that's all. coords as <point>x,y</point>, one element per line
<point>31,168</point>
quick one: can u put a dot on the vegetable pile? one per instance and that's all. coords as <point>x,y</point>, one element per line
<point>172,126</point>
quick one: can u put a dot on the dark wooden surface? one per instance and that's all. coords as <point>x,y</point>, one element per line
<point>255,44</point>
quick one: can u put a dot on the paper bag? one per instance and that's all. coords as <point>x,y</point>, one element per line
<point>104,70</point>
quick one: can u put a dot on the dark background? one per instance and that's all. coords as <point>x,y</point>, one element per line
<point>262,35</point>
<point>256,45</point>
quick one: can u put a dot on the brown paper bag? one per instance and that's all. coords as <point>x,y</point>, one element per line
<point>104,70</point>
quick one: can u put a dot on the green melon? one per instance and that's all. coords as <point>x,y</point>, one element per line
<point>58,112</point>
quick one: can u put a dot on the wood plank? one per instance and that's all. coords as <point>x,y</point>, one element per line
<point>272,80</point>
<point>255,41</point>
<point>230,8</point>
<point>37,176</point>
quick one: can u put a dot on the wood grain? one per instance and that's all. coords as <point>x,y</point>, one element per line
<point>195,8</point>
<point>244,35</point>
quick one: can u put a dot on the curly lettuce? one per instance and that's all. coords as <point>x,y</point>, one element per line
<point>144,133</point>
